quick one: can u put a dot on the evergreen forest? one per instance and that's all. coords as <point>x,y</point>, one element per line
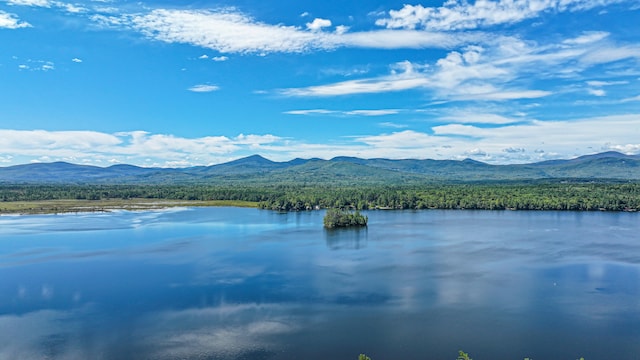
<point>534,195</point>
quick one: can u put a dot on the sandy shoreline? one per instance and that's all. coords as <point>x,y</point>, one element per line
<point>78,206</point>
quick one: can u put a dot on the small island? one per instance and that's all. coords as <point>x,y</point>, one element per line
<point>341,218</point>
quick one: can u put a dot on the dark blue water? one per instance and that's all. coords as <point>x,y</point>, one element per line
<point>230,283</point>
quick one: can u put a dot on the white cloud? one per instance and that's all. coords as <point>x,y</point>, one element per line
<point>364,86</point>
<point>37,65</point>
<point>500,143</point>
<point>380,112</point>
<point>76,60</point>
<point>203,57</point>
<point>460,130</point>
<point>70,8</point>
<point>106,9</point>
<point>10,21</point>
<point>310,112</point>
<point>467,75</point>
<point>512,150</point>
<point>219,58</point>
<point>477,116</point>
<point>564,60</point>
<point>374,112</point>
<point>560,139</point>
<point>203,88</point>
<point>127,147</point>
<point>596,83</point>
<point>558,136</point>
<point>406,39</point>
<point>111,22</point>
<point>40,142</point>
<point>317,24</point>
<point>393,125</point>
<point>597,92</point>
<point>490,93</point>
<point>475,153</point>
<point>609,54</point>
<point>173,148</point>
<point>227,31</point>
<point>346,72</point>
<point>635,98</point>
<point>463,15</point>
<point>625,148</point>
<point>508,144</point>
<point>407,139</point>
<point>230,31</point>
<point>498,70</point>
<point>587,38</point>
<point>39,3</point>
<point>341,29</point>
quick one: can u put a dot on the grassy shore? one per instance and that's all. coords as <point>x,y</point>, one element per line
<point>73,206</point>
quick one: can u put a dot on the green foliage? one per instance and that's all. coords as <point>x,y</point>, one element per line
<point>539,195</point>
<point>341,218</point>
<point>363,357</point>
<point>573,196</point>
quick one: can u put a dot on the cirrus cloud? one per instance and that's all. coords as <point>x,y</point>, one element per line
<point>38,3</point>
<point>67,7</point>
<point>226,30</point>
<point>463,75</point>
<point>371,112</point>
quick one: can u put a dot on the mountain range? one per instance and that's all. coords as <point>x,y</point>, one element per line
<point>339,170</point>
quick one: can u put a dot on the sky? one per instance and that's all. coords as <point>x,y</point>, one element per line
<point>186,83</point>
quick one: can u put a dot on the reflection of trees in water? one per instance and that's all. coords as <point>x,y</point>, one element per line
<point>349,238</point>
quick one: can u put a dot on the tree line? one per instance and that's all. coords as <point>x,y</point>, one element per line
<point>560,195</point>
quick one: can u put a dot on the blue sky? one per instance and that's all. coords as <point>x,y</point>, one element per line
<point>168,83</point>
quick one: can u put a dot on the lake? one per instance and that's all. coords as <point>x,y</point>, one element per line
<point>234,283</point>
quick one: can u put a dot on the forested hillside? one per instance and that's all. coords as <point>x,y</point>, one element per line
<point>539,195</point>
<point>607,181</point>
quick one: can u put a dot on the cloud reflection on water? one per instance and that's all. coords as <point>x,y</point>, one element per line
<point>226,330</point>
<point>423,279</point>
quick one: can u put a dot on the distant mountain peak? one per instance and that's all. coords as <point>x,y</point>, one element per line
<point>252,159</point>
<point>473,161</point>
<point>345,158</point>
<point>606,154</point>
<point>256,168</point>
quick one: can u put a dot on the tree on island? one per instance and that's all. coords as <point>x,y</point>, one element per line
<point>342,218</point>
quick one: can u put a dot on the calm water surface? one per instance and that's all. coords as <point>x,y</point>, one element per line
<point>230,283</point>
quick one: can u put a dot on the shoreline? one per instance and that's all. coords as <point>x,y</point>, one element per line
<point>44,207</point>
<point>71,206</point>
